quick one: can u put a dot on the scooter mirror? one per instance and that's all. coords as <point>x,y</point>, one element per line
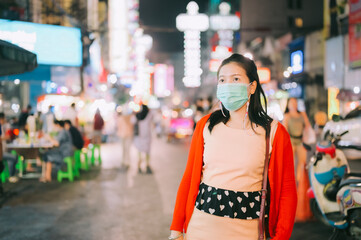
<point>336,118</point>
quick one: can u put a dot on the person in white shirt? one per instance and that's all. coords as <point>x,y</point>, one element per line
<point>72,115</point>
<point>48,120</point>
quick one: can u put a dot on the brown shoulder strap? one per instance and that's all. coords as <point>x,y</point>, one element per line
<point>261,225</point>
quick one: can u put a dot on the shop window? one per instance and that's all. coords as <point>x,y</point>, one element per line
<point>290,4</point>
<point>291,21</point>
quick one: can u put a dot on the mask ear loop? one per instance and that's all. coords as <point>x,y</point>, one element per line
<point>245,116</point>
<point>222,109</point>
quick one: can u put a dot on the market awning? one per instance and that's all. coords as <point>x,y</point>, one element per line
<point>15,60</point>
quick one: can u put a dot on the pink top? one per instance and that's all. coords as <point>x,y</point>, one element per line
<point>233,160</point>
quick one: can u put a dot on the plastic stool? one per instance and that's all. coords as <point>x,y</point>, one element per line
<point>69,174</point>
<point>5,174</point>
<point>84,160</point>
<point>20,165</point>
<point>81,159</point>
<point>77,163</point>
<point>93,158</point>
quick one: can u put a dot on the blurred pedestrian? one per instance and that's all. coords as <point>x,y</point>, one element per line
<point>24,117</point>
<point>125,132</point>
<point>158,120</point>
<point>63,147</point>
<point>72,115</point>
<point>207,105</point>
<point>223,190</point>
<point>143,136</point>
<point>296,122</point>
<point>48,120</point>
<point>98,127</point>
<point>76,136</point>
<point>199,112</point>
<point>7,156</point>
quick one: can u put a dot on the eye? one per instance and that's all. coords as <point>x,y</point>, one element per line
<point>236,79</point>
<point>221,80</point>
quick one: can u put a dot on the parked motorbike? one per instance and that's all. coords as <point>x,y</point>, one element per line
<point>335,193</point>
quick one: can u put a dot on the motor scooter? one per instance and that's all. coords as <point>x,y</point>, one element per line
<point>335,192</point>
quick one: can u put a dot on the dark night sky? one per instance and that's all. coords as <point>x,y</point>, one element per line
<point>157,17</point>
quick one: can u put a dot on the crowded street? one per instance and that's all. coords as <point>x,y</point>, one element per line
<point>180,120</point>
<point>106,203</point>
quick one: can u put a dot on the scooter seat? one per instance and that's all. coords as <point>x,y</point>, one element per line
<point>350,178</point>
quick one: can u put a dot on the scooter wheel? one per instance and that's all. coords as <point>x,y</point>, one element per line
<point>338,235</point>
<point>317,212</point>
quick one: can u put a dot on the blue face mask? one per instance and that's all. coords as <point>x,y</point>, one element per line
<point>232,95</point>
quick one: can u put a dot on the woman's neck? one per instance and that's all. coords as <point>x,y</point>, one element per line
<point>237,118</point>
<point>294,113</point>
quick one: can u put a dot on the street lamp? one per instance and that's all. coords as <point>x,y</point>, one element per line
<point>143,43</point>
<point>225,23</point>
<point>192,23</point>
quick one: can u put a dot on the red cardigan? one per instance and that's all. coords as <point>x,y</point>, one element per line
<point>283,197</point>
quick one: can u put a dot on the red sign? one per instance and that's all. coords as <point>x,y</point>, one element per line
<point>354,30</point>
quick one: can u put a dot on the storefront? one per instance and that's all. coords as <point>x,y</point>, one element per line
<point>59,55</point>
<point>341,77</point>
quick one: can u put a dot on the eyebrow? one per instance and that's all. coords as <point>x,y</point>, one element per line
<point>236,74</point>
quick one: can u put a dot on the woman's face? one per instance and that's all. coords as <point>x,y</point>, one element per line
<point>292,105</point>
<point>234,73</point>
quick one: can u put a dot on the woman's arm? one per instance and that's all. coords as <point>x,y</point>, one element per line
<point>179,214</point>
<point>176,235</point>
<point>307,121</point>
<point>285,120</point>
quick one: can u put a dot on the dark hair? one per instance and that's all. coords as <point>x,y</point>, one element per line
<point>142,114</point>
<point>257,114</point>
<point>2,115</point>
<point>59,122</point>
<point>67,121</point>
<point>287,110</point>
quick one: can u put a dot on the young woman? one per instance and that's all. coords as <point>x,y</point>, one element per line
<point>63,147</point>
<point>296,122</point>
<point>219,195</point>
<point>143,136</point>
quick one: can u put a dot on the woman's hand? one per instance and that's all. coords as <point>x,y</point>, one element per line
<point>175,234</point>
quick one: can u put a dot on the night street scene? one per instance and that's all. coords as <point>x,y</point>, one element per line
<point>180,120</point>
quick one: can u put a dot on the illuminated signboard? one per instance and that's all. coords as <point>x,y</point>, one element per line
<point>192,23</point>
<point>264,75</point>
<point>333,103</point>
<point>297,62</point>
<point>53,45</point>
<point>163,80</point>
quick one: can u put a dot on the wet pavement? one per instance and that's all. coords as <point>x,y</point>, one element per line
<point>106,203</point>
